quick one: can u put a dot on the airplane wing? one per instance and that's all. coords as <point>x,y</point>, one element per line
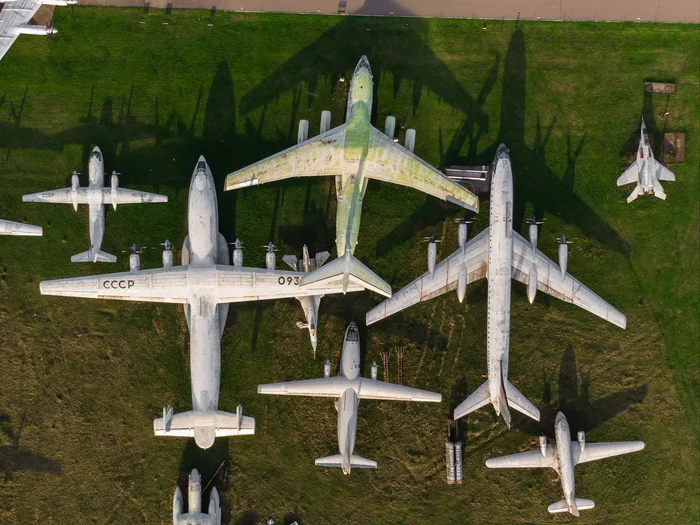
<point>630,175</point>
<point>444,279</point>
<point>61,196</point>
<point>19,228</point>
<point>389,162</point>
<point>162,285</point>
<point>596,451</point>
<point>318,156</point>
<point>529,459</point>
<point>374,389</point>
<point>663,173</point>
<point>14,14</point>
<point>566,288</point>
<point>126,196</point>
<point>323,387</point>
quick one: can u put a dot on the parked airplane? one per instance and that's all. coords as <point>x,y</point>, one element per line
<point>645,171</point>
<point>499,254</point>
<point>353,153</point>
<point>15,18</point>
<point>348,388</point>
<point>563,457</point>
<point>205,283</point>
<point>95,196</point>
<point>310,304</point>
<point>19,228</point>
<point>194,514</point>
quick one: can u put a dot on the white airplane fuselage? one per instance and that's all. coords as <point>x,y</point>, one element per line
<point>95,199</point>
<point>565,461</point>
<point>349,402</point>
<point>645,162</point>
<point>205,319</point>
<point>499,273</point>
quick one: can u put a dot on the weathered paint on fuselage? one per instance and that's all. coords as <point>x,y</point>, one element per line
<point>500,258</point>
<point>349,401</point>
<point>96,174</point>
<point>351,185</point>
<point>645,158</point>
<point>564,459</point>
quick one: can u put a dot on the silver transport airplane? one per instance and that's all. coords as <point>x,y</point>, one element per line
<point>499,254</point>
<point>348,387</point>
<point>204,283</point>
<point>563,457</point>
<point>95,196</point>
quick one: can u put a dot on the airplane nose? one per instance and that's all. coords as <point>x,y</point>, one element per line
<point>363,64</point>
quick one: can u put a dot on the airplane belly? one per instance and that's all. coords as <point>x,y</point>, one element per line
<point>347,421</point>
<point>203,227</point>
<point>205,359</point>
<point>97,225</point>
<point>566,465</point>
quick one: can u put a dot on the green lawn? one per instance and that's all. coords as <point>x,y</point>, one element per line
<point>82,380</point>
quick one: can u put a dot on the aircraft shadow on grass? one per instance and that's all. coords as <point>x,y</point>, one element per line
<point>581,411</point>
<point>13,458</point>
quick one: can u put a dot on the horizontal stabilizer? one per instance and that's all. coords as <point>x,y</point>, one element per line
<point>90,256</point>
<point>563,506</point>
<point>352,271</point>
<point>480,397</point>
<point>19,228</point>
<point>520,403</point>
<point>204,427</point>
<point>337,461</point>
<point>635,193</point>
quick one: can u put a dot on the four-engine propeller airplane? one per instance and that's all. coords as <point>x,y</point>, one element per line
<point>205,283</point>
<point>15,17</point>
<point>95,196</point>
<point>499,254</point>
<point>563,457</point>
<point>349,387</point>
<point>645,171</point>
<point>353,153</point>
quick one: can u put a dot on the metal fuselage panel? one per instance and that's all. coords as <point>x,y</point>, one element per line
<point>349,400</point>
<point>95,200</point>
<point>566,464</point>
<point>500,258</point>
<point>645,162</point>
<point>351,186</point>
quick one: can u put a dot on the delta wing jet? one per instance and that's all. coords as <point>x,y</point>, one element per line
<point>645,171</point>
<point>204,283</point>
<point>499,254</point>
<point>353,153</point>
<point>15,17</point>
<point>194,514</point>
<point>349,387</point>
<point>563,457</point>
<point>95,196</point>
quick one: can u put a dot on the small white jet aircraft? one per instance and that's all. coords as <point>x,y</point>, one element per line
<point>15,17</point>
<point>645,171</point>
<point>95,196</point>
<point>353,153</point>
<point>563,457</point>
<point>499,254</point>
<point>348,388</point>
<point>19,228</point>
<point>310,304</point>
<point>205,283</point>
<point>194,514</point>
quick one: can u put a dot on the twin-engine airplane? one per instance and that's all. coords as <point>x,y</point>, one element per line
<point>204,283</point>
<point>645,171</point>
<point>353,153</point>
<point>194,514</point>
<point>95,196</point>
<point>563,457</point>
<point>348,388</point>
<point>499,254</point>
<point>15,17</point>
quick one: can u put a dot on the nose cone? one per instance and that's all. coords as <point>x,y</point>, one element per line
<point>502,153</point>
<point>363,65</point>
<point>352,334</point>
<point>96,153</point>
<point>201,174</point>
<point>560,417</point>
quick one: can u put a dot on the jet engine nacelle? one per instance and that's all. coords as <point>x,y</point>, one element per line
<point>563,254</point>
<point>543,445</point>
<point>432,255</point>
<point>134,262</point>
<point>462,284</point>
<point>114,190</point>
<point>374,370</point>
<point>532,284</point>
<point>581,439</point>
<point>327,369</point>
<point>74,185</point>
<point>462,234</point>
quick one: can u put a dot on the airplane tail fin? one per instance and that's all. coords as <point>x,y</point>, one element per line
<point>203,426</point>
<point>508,397</point>
<point>576,505</point>
<point>351,270</point>
<point>90,256</point>
<point>658,190</point>
<point>337,461</point>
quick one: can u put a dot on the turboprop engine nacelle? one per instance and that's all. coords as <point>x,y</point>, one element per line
<point>327,369</point>
<point>114,189</point>
<point>74,185</point>
<point>134,262</point>
<point>532,232</point>
<point>532,283</point>
<point>432,255</point>
<point>462,234</point>
<point>462,284</point>
<point>581,439</point>
<point>563,254</point>
<point>270,258</point>
<point>543,445</point>
<point>167,254</point>
<point>28,29</point>
<point>374,370</point>
<point>237,254</point>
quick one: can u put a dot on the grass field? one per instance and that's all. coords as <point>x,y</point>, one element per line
<point>82,380</point>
